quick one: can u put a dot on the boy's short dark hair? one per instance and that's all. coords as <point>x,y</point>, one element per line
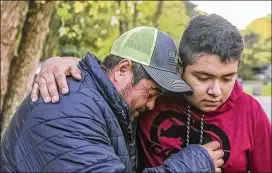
<point>210,35</point>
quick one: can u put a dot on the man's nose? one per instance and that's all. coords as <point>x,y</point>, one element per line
<point>151,104</point>
<point>215,89</point>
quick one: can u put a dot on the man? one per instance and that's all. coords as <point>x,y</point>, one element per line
<point>90,129</point>
<point>209,54</point>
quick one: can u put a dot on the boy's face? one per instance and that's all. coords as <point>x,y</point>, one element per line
<point>211,80</point>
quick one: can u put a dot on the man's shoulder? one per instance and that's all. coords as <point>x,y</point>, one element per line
<point>84,87</point>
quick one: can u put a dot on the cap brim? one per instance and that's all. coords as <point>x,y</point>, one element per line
<point>167,80</point>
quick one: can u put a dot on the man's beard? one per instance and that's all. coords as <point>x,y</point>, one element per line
<point>126,92</point>
<point>130,100</point>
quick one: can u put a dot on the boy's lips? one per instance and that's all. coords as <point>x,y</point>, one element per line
<point>211,103</point>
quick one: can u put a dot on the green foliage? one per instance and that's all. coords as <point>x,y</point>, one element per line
<point>257,37</point>
<point>84,27</point>
<point>79,27</point>
<point>261,26</point>
<point>258,54</point>
<point>266,90</point>
<point>174,18</point>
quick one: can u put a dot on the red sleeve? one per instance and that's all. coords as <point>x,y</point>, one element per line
<point>260,155</point>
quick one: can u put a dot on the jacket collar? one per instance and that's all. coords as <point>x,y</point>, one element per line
<point>91,64</point>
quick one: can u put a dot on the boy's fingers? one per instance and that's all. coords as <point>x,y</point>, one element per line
<point>214,145</point>
<point>35,92</point>
<point>75,72</point>
<point>218,170</point>
<point>218,154</point>
<point>52,87</point>
<point>61,80</point>
<point>43,90</point>
<point>218,162</point>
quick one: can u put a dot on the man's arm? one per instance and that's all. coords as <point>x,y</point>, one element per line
<point>260,157</point>
<point>193,158</point>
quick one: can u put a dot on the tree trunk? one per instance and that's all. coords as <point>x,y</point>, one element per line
<point>123,23</point>
<point>52,40</point>
<point>30,50</point>
<point>11,20</point>
<point>135,15</point>
<point>157,14</point>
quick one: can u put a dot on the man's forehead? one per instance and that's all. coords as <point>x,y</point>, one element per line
<point>157,88</point>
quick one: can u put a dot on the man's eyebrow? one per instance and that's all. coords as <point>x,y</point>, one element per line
<point>156,89</point>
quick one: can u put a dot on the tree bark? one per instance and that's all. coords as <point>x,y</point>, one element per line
<point>52,39</point>
<point>135,15</point>
<point>123,23</point>
<point>11,21</point>
<point>157,14</point>
<point>30,50</point>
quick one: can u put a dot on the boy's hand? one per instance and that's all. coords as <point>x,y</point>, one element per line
<point>53,77</point>
<point>216,154</point>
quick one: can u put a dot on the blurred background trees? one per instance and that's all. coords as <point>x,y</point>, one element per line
<point>257,37</point>
<point>22,55</point>
<point>79,27</point>
<point>33,31</point>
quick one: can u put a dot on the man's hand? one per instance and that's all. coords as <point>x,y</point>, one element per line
<point>213,149</point>
<point>53,73</point>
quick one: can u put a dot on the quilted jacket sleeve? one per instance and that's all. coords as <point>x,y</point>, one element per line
<point>193,158</point>
<point>87,147</point>
<point>70,136</point>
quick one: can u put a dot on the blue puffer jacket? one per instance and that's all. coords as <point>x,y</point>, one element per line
<point>87,131</point>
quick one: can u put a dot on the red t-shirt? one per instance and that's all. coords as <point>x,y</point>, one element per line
<point>240,125</point>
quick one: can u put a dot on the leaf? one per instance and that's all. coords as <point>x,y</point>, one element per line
<point>77,29</point>
<point>71,35</point>
<point>66,5</point>
<point>79,7</point>
<point>261,26</point>
<point>63,31</point>
<point>64,14</point>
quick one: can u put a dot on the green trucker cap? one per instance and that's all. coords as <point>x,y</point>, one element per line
<point>156,51</point>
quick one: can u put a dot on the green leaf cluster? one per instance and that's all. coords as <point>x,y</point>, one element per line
<point>79,27</point>
<point>257,38</point>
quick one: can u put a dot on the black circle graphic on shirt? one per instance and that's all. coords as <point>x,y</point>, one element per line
<point>210,132</point>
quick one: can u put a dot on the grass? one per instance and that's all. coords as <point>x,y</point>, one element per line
<point>265,90</point>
